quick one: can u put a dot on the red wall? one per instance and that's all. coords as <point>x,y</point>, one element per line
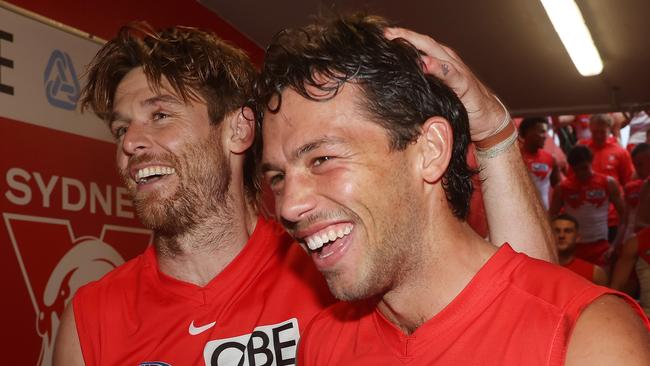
<point>104,18</point>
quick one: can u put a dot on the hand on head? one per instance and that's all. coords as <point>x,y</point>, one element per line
<point>486,114</point>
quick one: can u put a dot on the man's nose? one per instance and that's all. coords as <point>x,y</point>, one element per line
<point>297,199</point>
<point>136,139</point>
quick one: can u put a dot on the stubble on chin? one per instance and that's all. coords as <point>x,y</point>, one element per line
<point>203,179</point>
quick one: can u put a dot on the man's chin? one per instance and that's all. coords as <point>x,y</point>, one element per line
<point>153,214</point>
<point>346,291</point>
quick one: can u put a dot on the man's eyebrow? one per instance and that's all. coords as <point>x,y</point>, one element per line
<point>162,98</point>
<point>115,116</point>
<point>304,149</point>
<point>315,144</point>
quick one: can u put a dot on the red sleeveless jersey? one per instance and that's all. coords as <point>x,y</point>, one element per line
<point>581,267</point>
<point>588,202</point>
<point>515,311</point>
<point>253,310</point>
<point>540,166</point>
<point>633,192</point>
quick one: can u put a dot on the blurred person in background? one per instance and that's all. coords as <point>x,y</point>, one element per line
<point>586,195</point>
<point>565,227</point>
<point>542,166</point>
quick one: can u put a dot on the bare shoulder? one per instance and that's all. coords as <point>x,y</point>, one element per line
<point>609,332</point>
<point>67,349</point>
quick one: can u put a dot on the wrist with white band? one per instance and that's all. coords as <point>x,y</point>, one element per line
<point>504,137</point>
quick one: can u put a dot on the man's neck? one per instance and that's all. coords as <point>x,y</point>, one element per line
<point>565,257</point>
<point>585,179</point>
<point>446,268</point>
<point>202,252</point>
<point>599,144</point>
<point>531,149</point>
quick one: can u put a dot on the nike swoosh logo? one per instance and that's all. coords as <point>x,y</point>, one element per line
<point>198,330</point>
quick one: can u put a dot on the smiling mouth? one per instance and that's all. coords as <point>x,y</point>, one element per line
<point>317,241</point>
<point>152,173</point>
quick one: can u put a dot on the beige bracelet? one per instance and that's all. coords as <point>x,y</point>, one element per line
<point>499,148</point>
<point>502,139</point>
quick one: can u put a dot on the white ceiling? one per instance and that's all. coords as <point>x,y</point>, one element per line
<point>510,44</point>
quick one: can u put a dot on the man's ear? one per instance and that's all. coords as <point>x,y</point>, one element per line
<point>241,130</point>
<point>436,144</point>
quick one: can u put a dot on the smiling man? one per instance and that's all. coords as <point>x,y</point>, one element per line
<point>365,154</point>
<point>221,285</point>
<point>213,288</point>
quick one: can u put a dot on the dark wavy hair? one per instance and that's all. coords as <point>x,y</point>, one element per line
<point>530,122</point>
<point>197,64</point>
<point>397,94</point>
<point>578,155</point>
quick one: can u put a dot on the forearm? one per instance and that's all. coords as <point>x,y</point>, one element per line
<point>620,232</point>
<point>513,209</point>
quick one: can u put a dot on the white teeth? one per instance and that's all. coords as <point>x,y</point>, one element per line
<point>310,243</point>
<point>316,241</point>
<point>154,170</point>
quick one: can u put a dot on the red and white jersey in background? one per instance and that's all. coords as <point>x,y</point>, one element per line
<point>588,202</point>
<point>540,166</point>
<point>583,268</point>
<point>614,161</point>
<point>639,125</point>
<point>581,126</point>
<point>611,159</point>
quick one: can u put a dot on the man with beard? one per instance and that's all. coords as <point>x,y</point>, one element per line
<point>220,285</point>
<point>366,157</point>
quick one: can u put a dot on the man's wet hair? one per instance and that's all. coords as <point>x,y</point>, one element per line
<point>198,65</point>
<point>530,122</point>
<point>317,60</point>
<point>579,154</point>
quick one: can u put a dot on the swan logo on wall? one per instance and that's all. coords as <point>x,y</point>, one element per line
<point>55,263</point>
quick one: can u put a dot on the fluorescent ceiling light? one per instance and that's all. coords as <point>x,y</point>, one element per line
<point>570,26</point>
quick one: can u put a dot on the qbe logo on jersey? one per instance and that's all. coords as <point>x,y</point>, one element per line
<point>55,263</point>
<point>268,345</point>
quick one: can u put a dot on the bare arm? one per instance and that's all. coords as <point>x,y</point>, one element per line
<point>67,350</point>
<point>514,212</point>
<point>556,202</point>
<point>555,173</point>
<point>624,265</point>
<point>608,332</point>
<point>643,211</point>
<point>615,198</point>
<point>600,276</point>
